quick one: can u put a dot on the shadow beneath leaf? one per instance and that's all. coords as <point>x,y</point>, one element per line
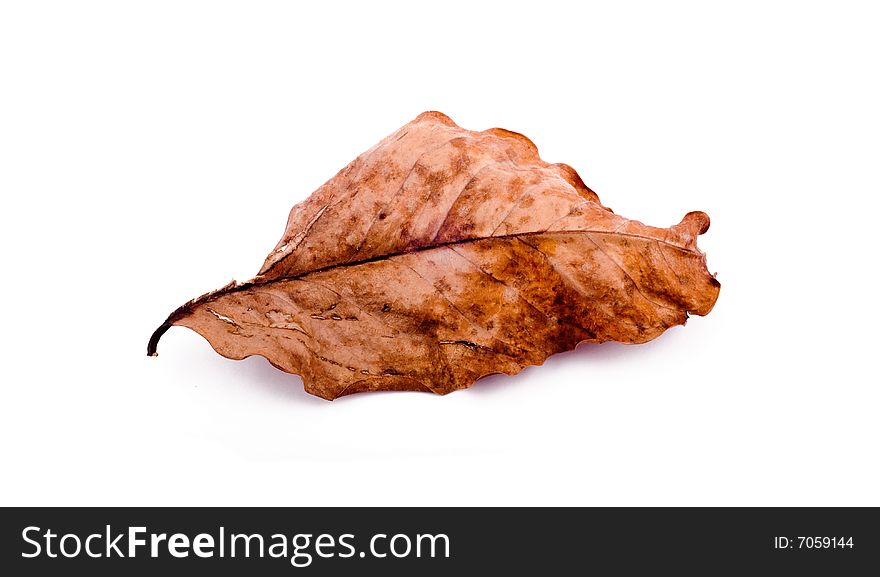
<point>252,373</point>
<point>257,372</point>
<point>586,355</point>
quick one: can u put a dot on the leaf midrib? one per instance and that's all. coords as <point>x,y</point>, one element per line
<point>257,282</point>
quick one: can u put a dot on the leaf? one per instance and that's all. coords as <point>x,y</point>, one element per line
<point>443,255</point>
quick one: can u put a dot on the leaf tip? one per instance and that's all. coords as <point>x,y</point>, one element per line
<point>696,222</point>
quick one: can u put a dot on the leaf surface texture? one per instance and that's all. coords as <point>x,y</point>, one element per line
<point>442,255</point>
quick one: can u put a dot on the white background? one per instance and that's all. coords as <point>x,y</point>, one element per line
<point>150,152</point>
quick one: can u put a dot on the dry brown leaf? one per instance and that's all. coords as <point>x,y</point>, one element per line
<point>442,255</point>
